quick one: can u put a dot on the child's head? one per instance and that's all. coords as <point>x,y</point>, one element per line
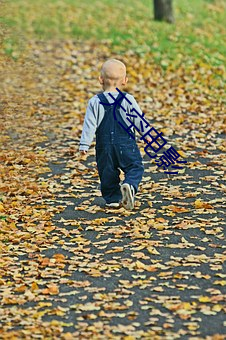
<point>113,74</point>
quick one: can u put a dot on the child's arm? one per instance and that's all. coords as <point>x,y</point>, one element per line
<point>89,129</point>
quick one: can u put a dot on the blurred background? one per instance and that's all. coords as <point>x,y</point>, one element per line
<point>194,29</point>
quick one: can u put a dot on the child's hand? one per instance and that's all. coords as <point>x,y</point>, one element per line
<point>149,140</point>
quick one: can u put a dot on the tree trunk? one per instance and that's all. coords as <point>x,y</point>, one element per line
<point>163,10</point>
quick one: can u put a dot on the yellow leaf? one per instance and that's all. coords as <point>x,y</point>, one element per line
<point>192,326</point>
<point>187,306</point>
<point>181,153</point>
<point>140,265</point>
<point>204,299</point>
<point>160,226</point>
<point>217,308</point>
<point>12,225</point>
<point>38,315</point>
<point>158,289</point>
<point>153,251</point>
<point>100,221</point>
<point>218,282</point>
<point>115,250</point>
<point>78,239</point>
<point>200,204</point>
<point>44,304</point>
<point>67,336</point>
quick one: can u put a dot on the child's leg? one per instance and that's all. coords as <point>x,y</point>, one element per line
<point>107,166</point>
<point>131,163</point>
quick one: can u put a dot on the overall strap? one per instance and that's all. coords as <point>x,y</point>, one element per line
<point>104,100</point>
<point>109,107</point>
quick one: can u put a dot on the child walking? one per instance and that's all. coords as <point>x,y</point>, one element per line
<point>116,146</point>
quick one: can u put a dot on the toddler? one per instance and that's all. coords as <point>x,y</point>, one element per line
<point>116,146</point>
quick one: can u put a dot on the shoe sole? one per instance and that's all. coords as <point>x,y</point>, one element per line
<point>114,206</point>
<point>127,197</point>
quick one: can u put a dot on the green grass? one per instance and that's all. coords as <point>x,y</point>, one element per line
<point>198,31</point>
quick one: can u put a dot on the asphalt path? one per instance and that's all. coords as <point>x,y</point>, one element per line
<point>183,296</point>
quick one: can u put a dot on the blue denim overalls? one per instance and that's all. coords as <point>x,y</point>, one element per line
<point>116,149</point>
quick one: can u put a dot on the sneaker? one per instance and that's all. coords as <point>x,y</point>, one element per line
<point>128,194</point>
<point>113,205</point>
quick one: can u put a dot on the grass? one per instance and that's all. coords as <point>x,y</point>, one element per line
<point>197,33</point>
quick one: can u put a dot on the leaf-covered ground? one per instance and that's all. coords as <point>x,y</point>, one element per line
<point>69,268</point>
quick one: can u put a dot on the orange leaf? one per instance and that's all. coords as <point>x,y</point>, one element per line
<point>34,286</point>
<point>59,257</point>
<point>53,289</point>
<point>20,289</point>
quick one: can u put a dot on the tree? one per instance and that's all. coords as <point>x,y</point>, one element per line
<point>163,10</point>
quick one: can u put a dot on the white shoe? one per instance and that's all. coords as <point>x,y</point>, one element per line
<point>128,194</point>
<point>113,205</point>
